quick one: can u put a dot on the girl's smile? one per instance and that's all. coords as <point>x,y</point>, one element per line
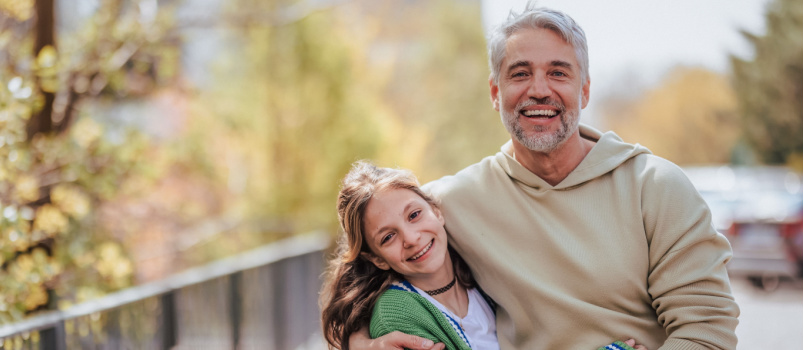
<point>406,234</point>
<point>422,252</point>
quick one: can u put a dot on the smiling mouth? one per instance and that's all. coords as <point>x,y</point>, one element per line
<point>540,113</point>
<point>422,252</point>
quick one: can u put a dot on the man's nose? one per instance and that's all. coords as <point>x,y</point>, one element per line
<point>539,87</point>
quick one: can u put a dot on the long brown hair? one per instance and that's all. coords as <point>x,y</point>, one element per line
<point>353,283</point>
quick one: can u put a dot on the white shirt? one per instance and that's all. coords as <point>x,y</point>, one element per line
<point>479,324</point>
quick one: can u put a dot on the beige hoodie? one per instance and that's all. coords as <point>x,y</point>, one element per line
<point>623,247</point>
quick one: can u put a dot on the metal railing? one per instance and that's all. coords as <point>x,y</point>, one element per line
<point>262,299</point>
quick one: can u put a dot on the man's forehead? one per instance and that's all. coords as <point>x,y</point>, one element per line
<point>534,36</point>
<point>544,45</point>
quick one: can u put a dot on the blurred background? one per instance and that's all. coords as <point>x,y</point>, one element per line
<point>147,147</point>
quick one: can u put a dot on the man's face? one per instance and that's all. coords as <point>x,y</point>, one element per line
<point>540,93</point>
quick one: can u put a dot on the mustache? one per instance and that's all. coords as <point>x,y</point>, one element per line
<point>540,101</point>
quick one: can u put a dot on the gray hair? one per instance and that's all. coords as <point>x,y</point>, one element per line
<point>537,18</point>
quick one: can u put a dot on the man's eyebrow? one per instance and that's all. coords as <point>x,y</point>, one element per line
<point>554,63</point>
<point>518,64</point>
<point>560,63</point>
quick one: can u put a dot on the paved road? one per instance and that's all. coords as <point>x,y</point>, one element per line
<point>769,320</point>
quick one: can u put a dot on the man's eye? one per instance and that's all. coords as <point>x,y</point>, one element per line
<point>559,74</point>
<point>519,75</point>
<point>415,214</point>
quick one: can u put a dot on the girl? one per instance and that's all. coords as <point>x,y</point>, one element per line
<point>396,272</point>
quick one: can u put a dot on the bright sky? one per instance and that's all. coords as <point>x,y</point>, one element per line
<point>640,40</point>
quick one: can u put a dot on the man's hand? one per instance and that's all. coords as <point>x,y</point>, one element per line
<point>632,343</point>
<point>392,341</point>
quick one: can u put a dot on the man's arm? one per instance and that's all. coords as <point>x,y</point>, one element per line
<point>687,280</point>
<point>395,340</point>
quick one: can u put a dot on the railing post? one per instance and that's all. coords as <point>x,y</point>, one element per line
<point>167,320</point>
<point>280,303</point>
<point>235,307</point>
<point>53,338</point>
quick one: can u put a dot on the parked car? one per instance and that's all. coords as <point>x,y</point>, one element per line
<point>759,209</point>
<point>766,252</point>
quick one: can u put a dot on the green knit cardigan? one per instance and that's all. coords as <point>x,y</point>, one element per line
<point>401,308</point>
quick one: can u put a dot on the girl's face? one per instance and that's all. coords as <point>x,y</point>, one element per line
<point>407,235</point>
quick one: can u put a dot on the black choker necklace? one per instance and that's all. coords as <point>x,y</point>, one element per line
<point>443,289</point>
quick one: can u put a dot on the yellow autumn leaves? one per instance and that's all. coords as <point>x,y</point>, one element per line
<point>66,201</point>
<point>113,265</point>
<point>20,10</point>
<point>47,68</point>
<point>689,118</point>
<point>34,268</point>
<point>86,131</point>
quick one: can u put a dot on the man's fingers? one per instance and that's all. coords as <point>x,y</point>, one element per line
<point>392,341</point>
<point>407,341</point>
<point>632,343</point>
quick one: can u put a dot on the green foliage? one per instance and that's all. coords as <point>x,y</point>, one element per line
<point>52,182</point>
<point>769,87</point>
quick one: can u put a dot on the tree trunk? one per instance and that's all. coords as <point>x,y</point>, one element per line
<point>42,121</point>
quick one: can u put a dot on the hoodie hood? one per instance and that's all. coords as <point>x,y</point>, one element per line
<point>608,153</point>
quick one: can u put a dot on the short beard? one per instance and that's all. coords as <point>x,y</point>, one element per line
<point>541,142</point>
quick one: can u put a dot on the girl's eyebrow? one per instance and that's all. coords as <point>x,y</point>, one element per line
<point>386,228</point>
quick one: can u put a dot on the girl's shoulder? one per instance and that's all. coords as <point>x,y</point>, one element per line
<point>401,308</point>
<point>400,301</point>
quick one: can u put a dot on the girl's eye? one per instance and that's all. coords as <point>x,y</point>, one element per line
<point>415,214</point>
<point>386,238</point>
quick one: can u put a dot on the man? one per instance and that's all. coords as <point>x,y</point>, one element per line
<point>578,236</point>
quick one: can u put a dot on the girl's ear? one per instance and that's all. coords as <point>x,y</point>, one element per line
<point>438,215</point>
<point>376,260</point>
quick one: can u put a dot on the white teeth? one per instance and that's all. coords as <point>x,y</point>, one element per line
<point>546,112</point>
<point>425,250</point>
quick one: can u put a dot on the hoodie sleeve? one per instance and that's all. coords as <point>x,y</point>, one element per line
<point>687,280</point>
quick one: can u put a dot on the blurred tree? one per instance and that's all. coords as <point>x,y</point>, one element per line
<point>290,105</point>
<point>44,42</point>
<point>300,90</point>
<point>438,87</point>
<point>690,118</point>
<point>300,93</point>
<point>57,163</point>
<point>769,86</point>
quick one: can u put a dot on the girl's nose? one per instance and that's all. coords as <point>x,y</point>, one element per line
<point>410,238</point>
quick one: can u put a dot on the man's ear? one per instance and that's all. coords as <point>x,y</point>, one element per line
<point>495,94</point>
<point>376,260</point>
<point>585,94</point>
